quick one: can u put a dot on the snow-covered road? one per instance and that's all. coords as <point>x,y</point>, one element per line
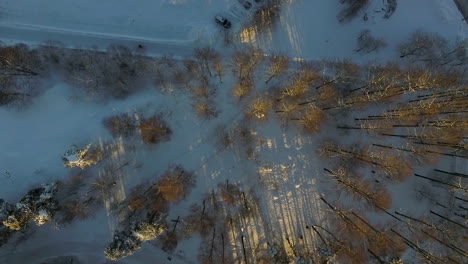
<point>161,26</point>
<point>17,33</point>
<point>306,29</point>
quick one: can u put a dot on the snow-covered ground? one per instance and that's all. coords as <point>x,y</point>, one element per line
<point>33,140</point>
<point>310,29</point>
<point>306,29</point>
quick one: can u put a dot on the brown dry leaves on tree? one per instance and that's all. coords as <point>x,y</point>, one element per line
<point>395,167</point>
<point>203,217</point>
<point>359,240</point>
<point>205,109</point>
<point>176,183</point>
<point>312,119</point>
<point>259,108</point>
<point>267,16</point>
<point>78,209</point>
<point>244,62</point>
<point>154,130</point>
<point>169,241</point>
<point>122,125</point>
<point>374,196</point>
<point>243,87</point>
<point>301,82</point>
<point>229,193</point>
<point>279,64</point>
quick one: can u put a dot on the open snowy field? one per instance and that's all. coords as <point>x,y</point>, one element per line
<point>271,158</point>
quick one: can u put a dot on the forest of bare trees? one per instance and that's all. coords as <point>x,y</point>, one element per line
<point>376,128</point>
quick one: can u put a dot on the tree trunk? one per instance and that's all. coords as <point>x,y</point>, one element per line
<point>449,220</point>
<point>461,175</point>
<point>243,249</point>
<point>441,182</point>
<point>269,78</point>
<point>212,244</point>
<point>416,248</point>
<point>222,241</point>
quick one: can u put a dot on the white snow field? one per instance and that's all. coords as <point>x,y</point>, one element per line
<point>306,29</point>
<point>33,140</point>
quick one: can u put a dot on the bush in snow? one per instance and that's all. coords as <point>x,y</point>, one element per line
<point>122,125</point>
<point>423,46</point>
<point>38,204</point>
<point>155,130</point>
<point>352,9</point>
<point>123,245</point>
<point>259,108</point>
<point>126,242</point>
<point>176,183</point>
<point>368,43</point>
<point>82,158</point>
<point>205,109</point>
<point>390,8</point>
<point>146,231</point>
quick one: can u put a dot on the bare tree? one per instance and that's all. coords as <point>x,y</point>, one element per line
<point>394,167</point>
<point>114,73</point>
<point>244,62</point>
<point>219,69</point>
<point>368,43</point>
<point>259,108</point>
<point>243,88</point>
<point>352,9</point>
<point>278,65</point>
<point>266,16</point>
<point>312,119</point>
<point>300,83</point>
<point>121,125</point>
<point>207,57</point>
<point>205,109</point>
<point>176,183</point>
<point>154,130</point>
<point>19,69</point>
<point>422,45</point>
<point>374,196</point>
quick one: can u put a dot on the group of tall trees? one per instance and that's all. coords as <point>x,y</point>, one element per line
<point>39,205</point>
<point>353,8</point>
<point>20,67</point>
<point>410,114</point>
<point>219,219</point>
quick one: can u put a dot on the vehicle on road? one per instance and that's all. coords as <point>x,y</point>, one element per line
<point>223,21</point>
